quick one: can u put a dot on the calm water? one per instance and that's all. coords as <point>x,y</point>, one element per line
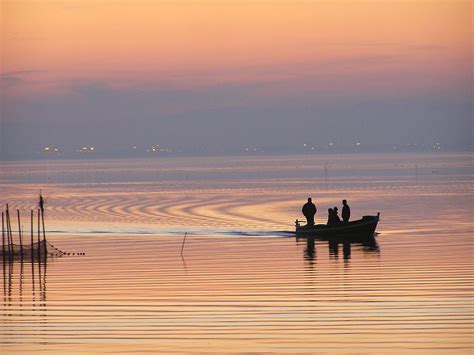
<point>244,283</point>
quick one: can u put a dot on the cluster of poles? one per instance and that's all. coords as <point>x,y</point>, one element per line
<point>11,250</point>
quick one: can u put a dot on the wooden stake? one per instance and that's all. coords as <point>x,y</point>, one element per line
<point>184,241</point>
<point>39,229</point>
<point>44,234</point>
<point>7,233</point>
<point>3,236</point>
<point>31,235</point>
<point>10,236</point>
<point>19,233</point>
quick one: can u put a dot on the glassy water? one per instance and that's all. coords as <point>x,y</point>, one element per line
<point>244,282</point>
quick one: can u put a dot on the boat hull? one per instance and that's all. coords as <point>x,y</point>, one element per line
<point>360,229</point>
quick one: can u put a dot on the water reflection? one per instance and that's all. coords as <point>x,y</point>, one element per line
<point>310,250</point>
<point>368,245</point>
<point>22,276</point>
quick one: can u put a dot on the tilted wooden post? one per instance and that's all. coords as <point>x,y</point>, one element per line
<point>184,241</point>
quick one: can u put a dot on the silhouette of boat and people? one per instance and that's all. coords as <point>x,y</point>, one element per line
<point>337,230</point>
<point>335,226</point>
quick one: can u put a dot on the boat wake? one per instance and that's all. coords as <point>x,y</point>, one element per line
<point>180,231</point>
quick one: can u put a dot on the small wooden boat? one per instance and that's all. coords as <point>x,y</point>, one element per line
<point>355,230</point>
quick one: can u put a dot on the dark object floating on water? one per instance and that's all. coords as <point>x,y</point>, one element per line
<point>355,230</point>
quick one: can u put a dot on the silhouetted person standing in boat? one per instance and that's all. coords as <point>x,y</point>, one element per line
<point>346,211</point>
<point>309,210</point>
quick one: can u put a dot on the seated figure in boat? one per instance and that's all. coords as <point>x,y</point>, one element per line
<point>336,216</point>
<point>333,218</point>
<point>346,211</point>
<point>309,210</point>
<point>330,218</point>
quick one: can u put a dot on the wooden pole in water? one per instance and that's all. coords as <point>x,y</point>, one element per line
<point>3,236</point>
<point>31,235</point>
<point>184,240</point>
<point>39,229</point>
<point>7,241</point>
<point>44,234</point>
<point>9,231</point>
<point>19,233</point>
<point>7,234</point>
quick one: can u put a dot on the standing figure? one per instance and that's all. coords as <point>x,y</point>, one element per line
<point>346,211</point>
<point>309,210</point>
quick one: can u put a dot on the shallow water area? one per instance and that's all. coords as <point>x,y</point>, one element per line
<point>243,282</point>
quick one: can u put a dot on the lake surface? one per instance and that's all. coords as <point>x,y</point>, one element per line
<point>244,282</point>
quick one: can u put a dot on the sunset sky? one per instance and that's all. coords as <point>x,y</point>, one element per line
<point>227,74</point>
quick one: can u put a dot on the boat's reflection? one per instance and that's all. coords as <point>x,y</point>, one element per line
<point>366,245</point>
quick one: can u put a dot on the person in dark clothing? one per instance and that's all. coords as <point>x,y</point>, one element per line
<point>330,217</point>
<point>309,210</point>
<point>336,216</point>
<point>346,211</point>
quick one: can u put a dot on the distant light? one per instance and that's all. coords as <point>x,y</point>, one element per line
<point>56,149</point>
<point>358,144</point>
<point>331,144</point>
<point>312,148</point>
<point>92,148</point>
<point>304,145</point>
<point>134,147</point>
<point>46,149</point>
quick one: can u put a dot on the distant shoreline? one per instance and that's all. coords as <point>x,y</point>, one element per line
<point>90,157</point>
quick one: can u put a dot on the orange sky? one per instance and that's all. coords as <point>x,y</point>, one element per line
<point>107,40</point>
<point>203,71</point>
